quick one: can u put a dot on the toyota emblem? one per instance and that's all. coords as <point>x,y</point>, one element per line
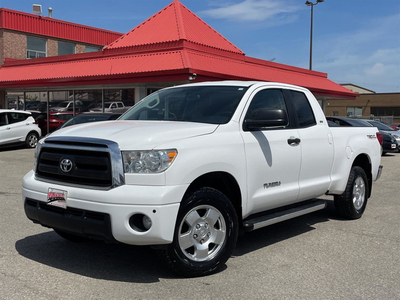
<point>66,165</point>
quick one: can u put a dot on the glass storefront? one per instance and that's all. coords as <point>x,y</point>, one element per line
<point>52,108</point>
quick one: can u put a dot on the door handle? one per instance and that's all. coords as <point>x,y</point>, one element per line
<point>292,141</point>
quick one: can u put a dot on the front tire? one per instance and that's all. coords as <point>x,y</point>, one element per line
<point>205,234</point>
<point>351,204</point>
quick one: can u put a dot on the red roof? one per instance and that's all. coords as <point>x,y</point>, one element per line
<point>146,55</point>
<point>174,23</point>
<point>19,21</point>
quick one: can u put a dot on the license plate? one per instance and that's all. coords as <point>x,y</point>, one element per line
<point>56,197</point>
<point>393,146</point>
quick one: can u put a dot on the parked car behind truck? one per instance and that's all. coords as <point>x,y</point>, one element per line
<point>18,127</point>
<point>188,166</point>
<point>389,144</point>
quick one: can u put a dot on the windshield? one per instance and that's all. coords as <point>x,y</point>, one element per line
<point>204,104</point>
<point>381,126</point>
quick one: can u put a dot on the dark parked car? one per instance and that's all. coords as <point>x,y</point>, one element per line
<point>90,117</point>
<point>386,129</point>
<point>389,142</point>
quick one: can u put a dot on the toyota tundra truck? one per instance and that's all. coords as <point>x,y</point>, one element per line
<point>189,167</point>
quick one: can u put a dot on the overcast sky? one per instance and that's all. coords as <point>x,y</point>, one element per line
<point>354,41</point>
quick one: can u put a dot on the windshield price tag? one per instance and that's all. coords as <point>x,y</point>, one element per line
<point>57,198</point>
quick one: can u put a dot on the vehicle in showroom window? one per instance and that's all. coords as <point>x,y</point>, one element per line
<point>189,166</point>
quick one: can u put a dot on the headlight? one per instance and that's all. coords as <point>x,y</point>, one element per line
<point>39,146</point>
<point>152,161</point>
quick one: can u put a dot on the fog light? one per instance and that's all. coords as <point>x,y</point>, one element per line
<point>147,222</point>
<point>140,222</point>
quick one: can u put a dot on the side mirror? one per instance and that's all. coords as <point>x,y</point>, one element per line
<point>265,117</point>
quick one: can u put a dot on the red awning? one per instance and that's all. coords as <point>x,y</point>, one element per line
<point>168,47</point>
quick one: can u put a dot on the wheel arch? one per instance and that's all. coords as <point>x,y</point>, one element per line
<point>363,161</point>
<point>223,182</point>
<point>34,132</point>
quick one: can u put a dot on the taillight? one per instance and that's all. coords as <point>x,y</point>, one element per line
<point>380,137</point>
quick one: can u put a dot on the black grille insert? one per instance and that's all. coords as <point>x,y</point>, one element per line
<point>91,168</point>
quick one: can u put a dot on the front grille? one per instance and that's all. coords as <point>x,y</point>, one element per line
<point>94,163</point>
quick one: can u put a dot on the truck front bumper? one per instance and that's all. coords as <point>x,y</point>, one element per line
<point>111,215</point>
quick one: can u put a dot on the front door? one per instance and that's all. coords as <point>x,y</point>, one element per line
<point>273,163</point>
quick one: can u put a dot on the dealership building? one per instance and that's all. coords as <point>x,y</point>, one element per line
<point>46,61</point>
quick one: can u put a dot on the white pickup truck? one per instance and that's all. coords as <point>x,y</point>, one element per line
<point>189,167</point>
<point>111,107</point>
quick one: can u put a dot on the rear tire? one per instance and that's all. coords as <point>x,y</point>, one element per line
<point>31,140</point>
<point>351,204</point>
<point>205,234</point>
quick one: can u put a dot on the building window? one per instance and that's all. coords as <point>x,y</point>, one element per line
<point>354,111</point>
<point>91,49</point>
<point>65,48</point>
<point>335,113</point>
<point>35,47</point>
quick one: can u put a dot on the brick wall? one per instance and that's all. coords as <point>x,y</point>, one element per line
<point>365,101</point>
<point>52,47</point>
<point>80,48</point>
<point>13,45</point>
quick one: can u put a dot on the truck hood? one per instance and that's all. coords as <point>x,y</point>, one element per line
<point>137,135</point>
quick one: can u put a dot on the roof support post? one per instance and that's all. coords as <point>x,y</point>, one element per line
<point>24,104</point>
<point>73,102</point>
<point>48,111</point>
<point>102,100</point>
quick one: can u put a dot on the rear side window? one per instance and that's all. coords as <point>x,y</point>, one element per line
<point>305,115</point>
<point>16,117</point>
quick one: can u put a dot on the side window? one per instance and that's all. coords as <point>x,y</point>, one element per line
<point>268,99</point>
<point>3,120</point>
<point>305,115</point>
<point>16,117</point>
<point>35,47</point>
<point>65,48</point>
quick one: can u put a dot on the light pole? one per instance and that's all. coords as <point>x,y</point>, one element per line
<point>308,3</point>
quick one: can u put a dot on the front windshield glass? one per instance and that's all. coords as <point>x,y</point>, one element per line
<point>203,104</point>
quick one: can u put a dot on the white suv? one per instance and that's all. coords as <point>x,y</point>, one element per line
<point>18,126</point>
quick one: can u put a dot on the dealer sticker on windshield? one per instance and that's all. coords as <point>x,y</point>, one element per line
<point>57,198</point>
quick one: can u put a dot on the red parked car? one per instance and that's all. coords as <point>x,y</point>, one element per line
<point>55,121</point>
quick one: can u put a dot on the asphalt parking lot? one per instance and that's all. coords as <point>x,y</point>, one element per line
<point>312,257</point>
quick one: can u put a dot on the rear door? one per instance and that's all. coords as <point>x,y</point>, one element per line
<point>316,146</point>
<point>273,163</point>
<point>18,126</point>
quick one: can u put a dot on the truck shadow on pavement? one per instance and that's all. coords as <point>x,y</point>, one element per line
<point>94,259</point>
<point>141,264</point>
<point>276,233</point>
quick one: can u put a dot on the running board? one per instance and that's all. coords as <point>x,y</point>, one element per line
<point>273,218</point>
